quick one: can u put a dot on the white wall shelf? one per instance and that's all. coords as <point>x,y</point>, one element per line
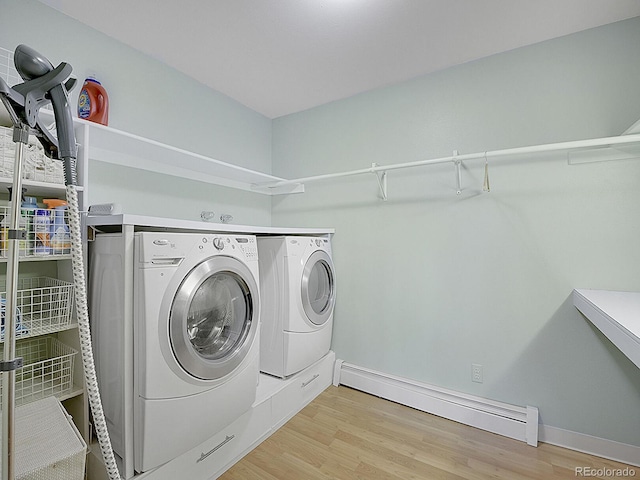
<point>39,189</point>
<point>117,147</point>
<point>45,330</point>
<point>39,258</point>
<point>109,145</point>
<point>616,315</point>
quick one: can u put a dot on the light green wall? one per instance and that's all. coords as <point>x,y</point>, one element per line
<point>430,282</point>
<point>152,100</point>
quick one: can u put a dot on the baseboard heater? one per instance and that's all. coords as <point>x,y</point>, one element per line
<point>520,423</point>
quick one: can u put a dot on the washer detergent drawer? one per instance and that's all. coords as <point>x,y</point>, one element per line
<point>301,389</point>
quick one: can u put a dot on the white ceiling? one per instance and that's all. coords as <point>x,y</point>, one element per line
<point>283,56</point>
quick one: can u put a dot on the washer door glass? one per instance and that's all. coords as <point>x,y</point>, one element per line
<point>213,317</point>
<point>217,316</point>
<point>318,288</point>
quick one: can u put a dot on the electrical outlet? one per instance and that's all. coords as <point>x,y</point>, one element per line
<point>476,373</point>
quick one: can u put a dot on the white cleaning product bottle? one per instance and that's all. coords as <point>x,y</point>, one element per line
<point>60,235</point>
<point>42,232</point>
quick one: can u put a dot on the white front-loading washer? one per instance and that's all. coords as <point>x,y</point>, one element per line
<point>195,341</point>
<point>297,282</point>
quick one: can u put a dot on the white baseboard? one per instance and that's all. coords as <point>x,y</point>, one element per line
<point>600,447</point>
<point>520,423</point>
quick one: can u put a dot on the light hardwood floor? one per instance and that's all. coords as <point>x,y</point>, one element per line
<point>346,434</point>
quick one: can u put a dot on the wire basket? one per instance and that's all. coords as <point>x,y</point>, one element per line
<point>44,306</point>
<point>47,371</point>
<point>48,446</point>
<point>40,226</point>
<point>36,165</point>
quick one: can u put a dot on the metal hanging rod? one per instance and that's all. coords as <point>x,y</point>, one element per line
<point>455,158</point>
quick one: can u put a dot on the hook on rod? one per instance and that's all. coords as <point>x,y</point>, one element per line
<point>485,185</point>
<point>458,172</point>
<point>382,181</point>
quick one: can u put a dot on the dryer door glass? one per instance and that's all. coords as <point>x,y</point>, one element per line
<point>213,320</point>
<point>318,289</point>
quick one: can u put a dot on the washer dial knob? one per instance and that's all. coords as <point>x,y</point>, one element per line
<point>218,243</point>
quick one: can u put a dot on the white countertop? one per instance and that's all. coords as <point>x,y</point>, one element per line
<point>616,315</point>
<point>143,222</point>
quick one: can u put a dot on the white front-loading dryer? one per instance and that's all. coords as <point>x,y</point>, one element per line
<point>196,304</point>
<point>297,281</point>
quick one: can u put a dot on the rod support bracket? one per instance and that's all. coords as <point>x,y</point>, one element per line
<point>382,181</point>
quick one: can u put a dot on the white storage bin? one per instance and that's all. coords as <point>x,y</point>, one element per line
<point>36,165</point>
<point>47,444</point>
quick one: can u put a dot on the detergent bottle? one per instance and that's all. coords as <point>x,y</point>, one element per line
<point>60,238</point>
<point>93,102</point>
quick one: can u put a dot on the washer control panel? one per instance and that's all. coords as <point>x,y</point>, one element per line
<point>171,248</point>
<point>248,246</point>
<point>228,243</point>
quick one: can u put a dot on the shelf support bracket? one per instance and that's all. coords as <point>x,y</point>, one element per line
<point>382,181</point>
<point>268,189</point>
<point>457,163</point>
